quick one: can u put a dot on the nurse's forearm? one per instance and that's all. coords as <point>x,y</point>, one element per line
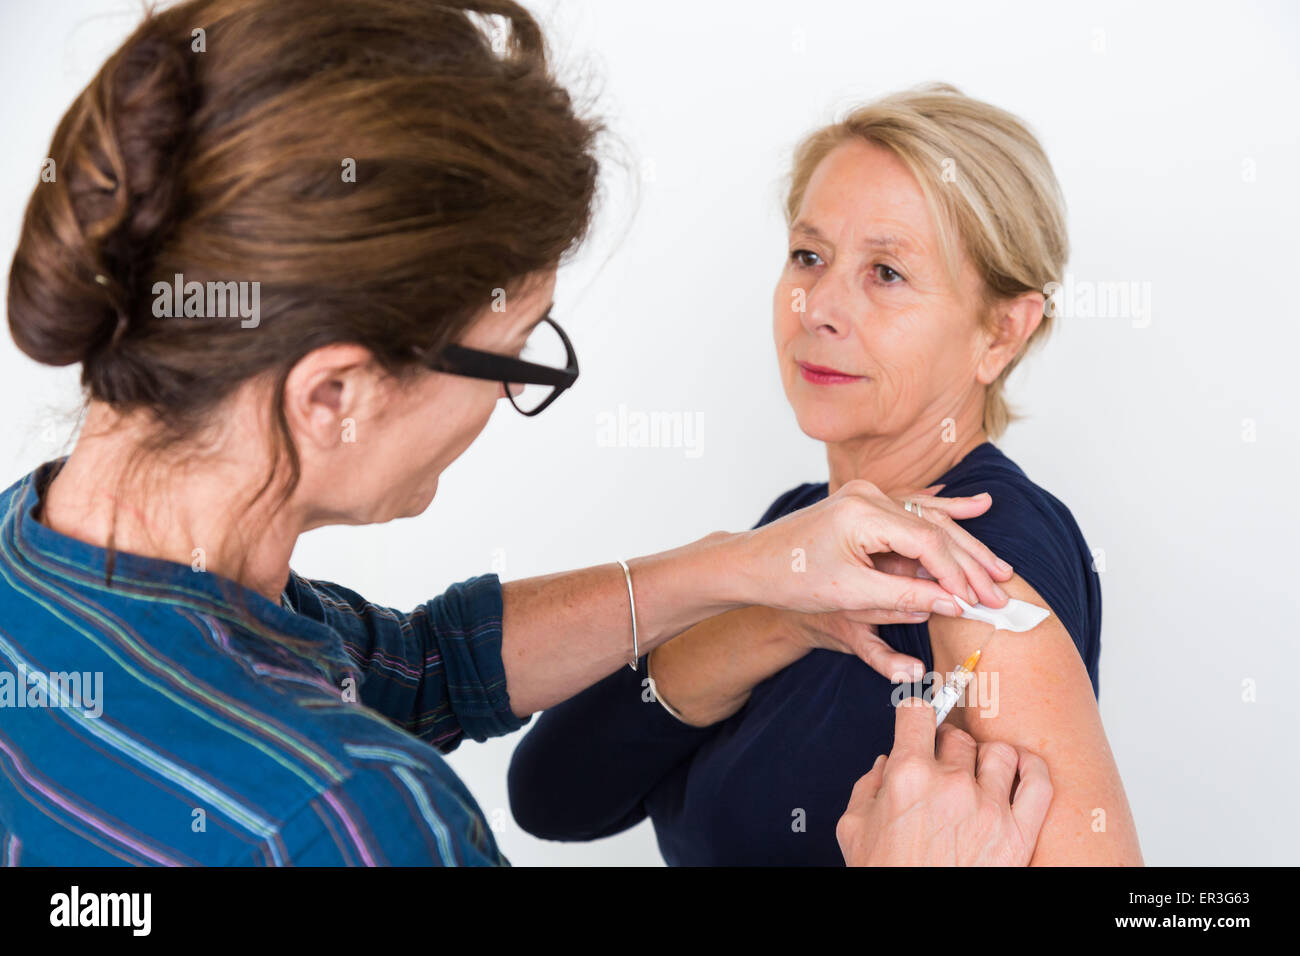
<point>563,632</point>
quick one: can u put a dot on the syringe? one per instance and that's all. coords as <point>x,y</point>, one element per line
<point>954,686</point>
<point>1016,616</point>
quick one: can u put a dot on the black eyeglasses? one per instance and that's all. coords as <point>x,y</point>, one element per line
<point>539,384</point>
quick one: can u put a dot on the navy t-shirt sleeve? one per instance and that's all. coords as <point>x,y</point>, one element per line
<point>794,499</point>
<point>1035,533</point>
<point>587,766</point>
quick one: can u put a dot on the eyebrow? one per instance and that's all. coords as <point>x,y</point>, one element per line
<point>888,243</point>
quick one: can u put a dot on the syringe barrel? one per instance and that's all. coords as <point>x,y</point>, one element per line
<point>950,693</point>
<point>943,702</point>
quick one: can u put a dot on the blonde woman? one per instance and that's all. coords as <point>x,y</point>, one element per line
<point>922,231</point>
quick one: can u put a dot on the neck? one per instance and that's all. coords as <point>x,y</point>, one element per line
<point>196,514</point>
<point>901,463</point>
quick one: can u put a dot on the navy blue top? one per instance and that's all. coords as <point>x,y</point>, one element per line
<point>768,784</point>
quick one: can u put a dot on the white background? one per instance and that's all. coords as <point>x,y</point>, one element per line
<point>1173,130</point>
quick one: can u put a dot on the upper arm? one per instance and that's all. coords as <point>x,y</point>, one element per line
<point>386,814</point>
<point>1032,690</point>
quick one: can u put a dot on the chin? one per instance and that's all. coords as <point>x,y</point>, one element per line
<point>420,504</point>
<point>826,422</point>
<point>413,504</point>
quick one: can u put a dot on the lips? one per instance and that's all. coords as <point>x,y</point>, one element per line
<point>821,375</point>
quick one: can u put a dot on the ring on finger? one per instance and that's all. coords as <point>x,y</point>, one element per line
<point>912,506</point>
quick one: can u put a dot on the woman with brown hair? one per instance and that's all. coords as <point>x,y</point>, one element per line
<point>297,248</point>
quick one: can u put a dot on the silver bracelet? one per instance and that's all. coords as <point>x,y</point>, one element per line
<point>631,600</point>
<point>654,689</point>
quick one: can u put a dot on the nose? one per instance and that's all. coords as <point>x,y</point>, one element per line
<point>826,303</point>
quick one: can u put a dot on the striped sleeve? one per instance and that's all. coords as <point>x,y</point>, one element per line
<point>436,671</point>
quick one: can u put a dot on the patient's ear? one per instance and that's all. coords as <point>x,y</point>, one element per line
<point>1010,325</point>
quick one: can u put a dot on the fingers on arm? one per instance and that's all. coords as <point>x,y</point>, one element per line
<point>967,507</point>
<point>928,541</point>
<point>945,512</point>
<point>905,594</point>
<point>951,555</point>
<point>956,749</point>
<point>887,662</point>
<point>977,562</point>
<point>1033,794</point>
<point>995,769</point>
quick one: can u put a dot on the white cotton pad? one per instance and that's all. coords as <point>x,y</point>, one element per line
<point>1016,616</point>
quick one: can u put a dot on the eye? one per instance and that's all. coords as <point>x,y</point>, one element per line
<point>886,275</point>
<point>797,257</point>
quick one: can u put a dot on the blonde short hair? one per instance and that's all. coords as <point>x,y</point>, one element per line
<point>989,186</point>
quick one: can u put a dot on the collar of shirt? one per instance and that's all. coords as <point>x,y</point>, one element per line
<point>26,542</point>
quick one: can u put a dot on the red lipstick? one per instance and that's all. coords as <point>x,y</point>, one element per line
<point>821,375</point>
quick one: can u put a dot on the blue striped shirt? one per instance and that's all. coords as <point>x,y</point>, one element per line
<point>173,718</point>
